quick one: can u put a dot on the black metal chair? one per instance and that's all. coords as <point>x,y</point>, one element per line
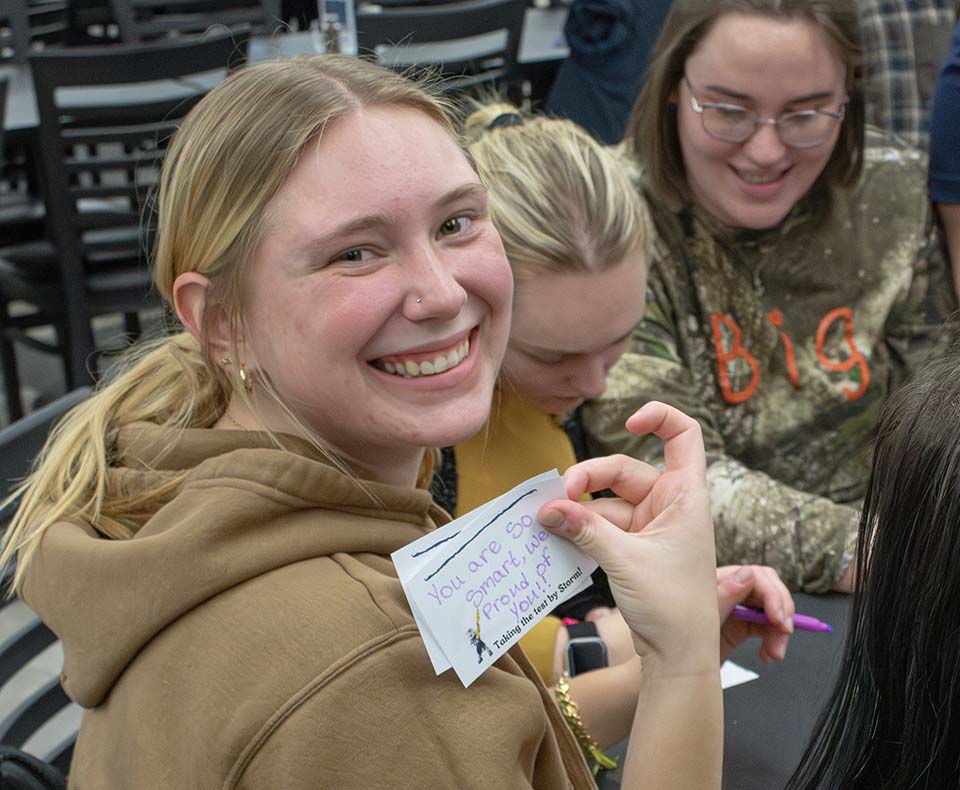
<point>26,23</point>
<point>35,713</point>
<point>106,116</point>
<point>471,42</point>
<point>22,244</point>
<point>148,20</point>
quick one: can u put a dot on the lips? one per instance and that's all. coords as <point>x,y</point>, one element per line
<point>425,363</point>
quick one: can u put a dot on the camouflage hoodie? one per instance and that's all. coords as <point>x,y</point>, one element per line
<point>783,344</point>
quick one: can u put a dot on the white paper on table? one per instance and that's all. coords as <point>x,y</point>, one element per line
<point>733,675</point>
<point>481,582</point>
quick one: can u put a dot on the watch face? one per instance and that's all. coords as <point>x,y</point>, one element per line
<point>586,654</point>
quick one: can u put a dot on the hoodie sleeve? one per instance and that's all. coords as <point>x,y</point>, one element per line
<point>385,720</point>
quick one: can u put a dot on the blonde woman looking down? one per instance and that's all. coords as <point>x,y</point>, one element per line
<point>209,535</point>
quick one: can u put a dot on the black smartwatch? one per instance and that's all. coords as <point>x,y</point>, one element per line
<point>586,651</point>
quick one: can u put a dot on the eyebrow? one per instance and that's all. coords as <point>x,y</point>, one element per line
<point>379,220</point>
<point>745,97</point>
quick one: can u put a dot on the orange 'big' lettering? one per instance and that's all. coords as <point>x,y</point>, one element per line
<point>855,358</point>
<point>725,356</point>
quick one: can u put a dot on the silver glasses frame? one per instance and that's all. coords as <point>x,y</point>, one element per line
<point>759,120</point>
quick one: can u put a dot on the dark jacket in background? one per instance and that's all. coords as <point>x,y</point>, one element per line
<point>610,43</point>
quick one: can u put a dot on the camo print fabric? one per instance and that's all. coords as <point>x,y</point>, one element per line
<point>784,344</point>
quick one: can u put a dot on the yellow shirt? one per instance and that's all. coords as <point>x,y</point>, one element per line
<point>518,442</point>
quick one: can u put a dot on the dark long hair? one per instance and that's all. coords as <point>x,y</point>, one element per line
<point>893,720</point>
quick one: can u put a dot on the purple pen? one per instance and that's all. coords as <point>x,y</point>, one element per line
<point>801,622</point>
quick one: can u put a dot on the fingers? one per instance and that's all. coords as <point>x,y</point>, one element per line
<point>621,512</point>
<point>625,476</point>
<point>683,440</point>
<point>591,532</point>
<point>733,587</point>
<point>760,587</point>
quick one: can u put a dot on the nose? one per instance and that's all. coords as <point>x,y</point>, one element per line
<point>434,291</point>
<point>589,377</point>
<point>764,147</point>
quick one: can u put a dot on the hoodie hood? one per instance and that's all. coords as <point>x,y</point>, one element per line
<point>239,513</point>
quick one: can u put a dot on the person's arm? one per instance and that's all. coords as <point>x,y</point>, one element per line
<point>607,698</point>
<point>945,153</point>
<point>950,217</point>
<point>758,519</point>
<point>655,543</point>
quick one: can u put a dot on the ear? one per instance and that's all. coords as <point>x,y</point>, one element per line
<point>190,291</point>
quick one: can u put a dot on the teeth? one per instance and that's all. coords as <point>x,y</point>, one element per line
<point>441,363</point>
<point>758,179</point>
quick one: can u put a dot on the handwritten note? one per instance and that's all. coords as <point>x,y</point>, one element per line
<point>478,584</point>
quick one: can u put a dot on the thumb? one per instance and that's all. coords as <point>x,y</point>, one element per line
<point>734,589</point>
<point>589,531</point>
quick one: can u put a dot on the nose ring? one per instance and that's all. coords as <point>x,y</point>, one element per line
<point>419,299</point>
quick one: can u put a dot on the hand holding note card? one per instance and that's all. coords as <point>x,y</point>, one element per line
<point>478,584</point>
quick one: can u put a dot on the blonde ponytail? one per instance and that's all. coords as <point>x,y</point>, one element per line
<point>166,382</point>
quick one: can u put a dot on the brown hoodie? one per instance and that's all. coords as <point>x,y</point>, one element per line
<point>254,635</point>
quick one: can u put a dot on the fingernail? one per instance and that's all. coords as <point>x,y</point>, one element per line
<point>788,622</point>
<point>743,575</point>
<point>552,518</point>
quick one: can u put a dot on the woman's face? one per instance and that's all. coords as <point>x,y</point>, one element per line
<point>770,66</point>
<point>379,298</point>
<point>568,330</point>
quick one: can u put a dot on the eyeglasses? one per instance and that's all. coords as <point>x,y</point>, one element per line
<point>735,124</point>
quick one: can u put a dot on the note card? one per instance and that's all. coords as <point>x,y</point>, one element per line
<point>478,584</point>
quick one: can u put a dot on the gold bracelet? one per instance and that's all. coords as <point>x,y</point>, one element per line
<point>571,712</point>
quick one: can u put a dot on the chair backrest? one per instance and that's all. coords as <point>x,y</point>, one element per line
<point>35,713</point>
<point>148,20</point>
<point>24,23</point>
<point>20,443</point>
<point>470,42</point>
<point>3,112</point>
<point>14,31</point>
<point>106,116</point>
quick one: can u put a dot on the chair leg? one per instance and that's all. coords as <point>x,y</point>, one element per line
<point>80,346</point>
<point>131,326</point>
<point>63,343</point>
<point>11,379</point>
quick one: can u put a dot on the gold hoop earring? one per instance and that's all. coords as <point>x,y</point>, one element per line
<point>245,378</point>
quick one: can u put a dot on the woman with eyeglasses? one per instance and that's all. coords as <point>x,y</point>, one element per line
<point>798,276</point>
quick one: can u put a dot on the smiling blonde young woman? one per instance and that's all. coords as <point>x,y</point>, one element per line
<point>798,276</point>
<point>209,535</point>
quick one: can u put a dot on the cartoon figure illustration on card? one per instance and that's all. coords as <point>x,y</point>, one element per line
<point>474,635</point>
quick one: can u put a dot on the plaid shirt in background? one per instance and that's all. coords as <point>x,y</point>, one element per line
<point>904,45</point>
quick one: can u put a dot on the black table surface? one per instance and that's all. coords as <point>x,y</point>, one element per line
<point>768,721</point>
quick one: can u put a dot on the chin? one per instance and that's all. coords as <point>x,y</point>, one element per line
<point>448,431</point>
<point>760,220</point>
